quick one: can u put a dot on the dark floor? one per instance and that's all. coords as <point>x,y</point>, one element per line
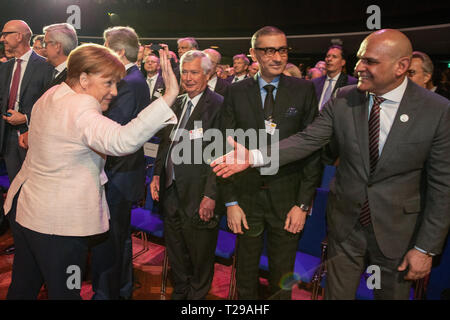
<point>147,275</point>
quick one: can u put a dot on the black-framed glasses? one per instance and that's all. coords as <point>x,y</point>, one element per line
<point>46,43</point>
<point>5,33</point>
<point>270,51</point>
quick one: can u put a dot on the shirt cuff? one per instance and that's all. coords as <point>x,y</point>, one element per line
<point>229,204</point>
<point>423,251</point>
<point>258,160</point>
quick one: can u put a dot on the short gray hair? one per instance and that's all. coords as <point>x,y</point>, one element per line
<point>192,42</point>
<point>64,34</point>
<point>39,37</point>
<point>243,57</point>
<point>264,31</point>
<point>191,55</point>
<point>123,38</point>
<point>427,64</point>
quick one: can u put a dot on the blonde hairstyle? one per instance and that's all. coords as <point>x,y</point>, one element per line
<point>93,59</point>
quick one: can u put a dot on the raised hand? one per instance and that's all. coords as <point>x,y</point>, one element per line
<point>170,81</point>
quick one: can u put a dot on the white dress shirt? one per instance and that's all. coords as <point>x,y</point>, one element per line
<point>60,68</point>
<point>151,83</point>
<point>388,112</point>
<point>326,84</point>
<point>212,83</point>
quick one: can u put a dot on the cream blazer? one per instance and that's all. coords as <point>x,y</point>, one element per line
<point>62,178</point>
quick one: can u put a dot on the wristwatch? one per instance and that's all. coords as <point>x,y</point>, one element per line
<point>304,207</point>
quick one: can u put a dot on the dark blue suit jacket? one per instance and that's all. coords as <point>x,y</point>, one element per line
<point>342,81</point>
<point>34,82</point>
<point>126,174</point>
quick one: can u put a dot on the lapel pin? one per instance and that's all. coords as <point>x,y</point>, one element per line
<point>404,118</point>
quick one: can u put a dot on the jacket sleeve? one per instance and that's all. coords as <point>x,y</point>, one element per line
<point>311,169</point>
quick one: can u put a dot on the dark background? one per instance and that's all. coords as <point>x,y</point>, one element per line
<point>229,24</point>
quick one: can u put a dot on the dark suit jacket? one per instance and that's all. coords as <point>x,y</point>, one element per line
<point>342,81</point>
<point>231,78</point>
<point>409,192</point>
<point>329,152</point>
<point>193,181</point>
<point>37,75</point>
<point>295,108</point>
<point>158,88</point>
<point>126,174</point>
<point>58,80</point>
<point>221,86</point>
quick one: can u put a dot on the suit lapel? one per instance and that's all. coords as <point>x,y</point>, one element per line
<point>199,110</point>
<point>408,106</point>
<point>360,119</point>
<point>319,87</point>
<point>282,99</point>
<point>158,84</point>
<point>341,81</point>
<point>254,96</point>
<point>7,84</point>
<point>28,74</point>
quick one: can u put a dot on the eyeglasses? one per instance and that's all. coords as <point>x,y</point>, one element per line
<point>46,43</point>
<point>270,51</point>
<point>4,34</point>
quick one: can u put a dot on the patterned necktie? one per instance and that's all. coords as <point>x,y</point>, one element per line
<point>149,81</point>
<point>55,73</point>
<point>170,173</point>
<point>14,85</point>
<point>327,94</point>
<point>374,139</point>
<point>269,102</point>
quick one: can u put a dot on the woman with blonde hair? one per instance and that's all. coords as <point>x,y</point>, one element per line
<point>57,202</point>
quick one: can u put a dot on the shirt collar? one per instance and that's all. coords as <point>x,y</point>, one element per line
<point>129,65</point>
<point>396,95</point>
<point>61,67</point>
<point>334,78</point>
<point>153,77</point>
<point>262,82</point>
<point>195,99</point>
<point>26,56</point>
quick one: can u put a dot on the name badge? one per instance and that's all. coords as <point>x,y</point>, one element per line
<point>270,127</point>
<point>197,133</point>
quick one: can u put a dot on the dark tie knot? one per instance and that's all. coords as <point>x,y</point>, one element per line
<point>269,88</point>
<point>378,100</point>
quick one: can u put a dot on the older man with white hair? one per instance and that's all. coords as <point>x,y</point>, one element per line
<point>188,190</point>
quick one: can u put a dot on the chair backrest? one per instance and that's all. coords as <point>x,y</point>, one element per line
<point>328,175</point>
<point>315,228</point>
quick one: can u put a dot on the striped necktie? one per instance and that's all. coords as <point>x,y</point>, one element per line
<point>374,139</point>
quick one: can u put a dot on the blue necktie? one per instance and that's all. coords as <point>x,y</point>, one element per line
<point>327,94</point>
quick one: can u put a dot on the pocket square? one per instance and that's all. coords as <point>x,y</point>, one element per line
<point>291,111</point>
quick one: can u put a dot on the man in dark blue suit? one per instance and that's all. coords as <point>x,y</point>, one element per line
<point>335,77</point>
<point>112,269</point>
<point>23,81</point>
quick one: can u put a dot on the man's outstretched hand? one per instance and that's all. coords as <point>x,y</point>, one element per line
<point>234,161</point>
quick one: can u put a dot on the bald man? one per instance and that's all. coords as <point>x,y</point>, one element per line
<point>389,205</point>
<point>23,80</point>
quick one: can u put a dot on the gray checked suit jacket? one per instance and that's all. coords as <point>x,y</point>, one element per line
<point>409,192</point>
